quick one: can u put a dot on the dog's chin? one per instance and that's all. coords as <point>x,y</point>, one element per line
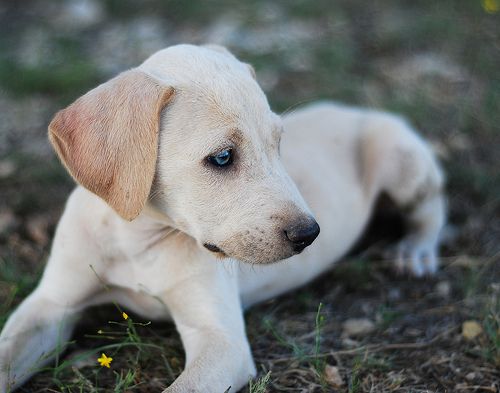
<point>251,254</point>
<point>264,261</point>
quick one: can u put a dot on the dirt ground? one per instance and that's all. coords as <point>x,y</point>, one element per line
<point>436,62</point>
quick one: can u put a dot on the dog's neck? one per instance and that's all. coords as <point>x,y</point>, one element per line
<point>152,227</point>
<point>155,214</point>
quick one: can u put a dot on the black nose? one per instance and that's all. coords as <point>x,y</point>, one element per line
<point>303,234</point>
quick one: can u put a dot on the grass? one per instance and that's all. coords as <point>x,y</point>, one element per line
<point>63,73</point>
<point>18,281</point>
<point>387,316</point>
<point>312,357</point>
<point>318,362</point>
<point>491,325</point>
<point>74,76</point>
<point>122,342</point>
<point>363,365</point>
<point>353,56</point>
<point>259,386</point>
<point>32,175</point>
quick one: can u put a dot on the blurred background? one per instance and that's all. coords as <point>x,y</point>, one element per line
<point>436,62</point>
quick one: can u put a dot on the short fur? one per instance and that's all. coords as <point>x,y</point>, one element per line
<point>133,137</point>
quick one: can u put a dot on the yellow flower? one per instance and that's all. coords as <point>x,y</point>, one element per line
<point>491,6</point>
<point>100,332</point>
<point>124,315</point>
<point>105,361</point>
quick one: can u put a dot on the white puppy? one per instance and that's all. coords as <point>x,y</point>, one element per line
<point>187,142</point>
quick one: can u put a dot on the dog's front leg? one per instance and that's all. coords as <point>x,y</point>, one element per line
<point>209,318</point>
<point>41,326</point>
<point>35,334</point>
<point>38,330</point>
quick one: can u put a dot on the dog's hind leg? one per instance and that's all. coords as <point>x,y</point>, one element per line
<point>396,161</point>
<point>41,326</point>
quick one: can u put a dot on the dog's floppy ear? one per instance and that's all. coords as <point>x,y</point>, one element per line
<point>108,139</point>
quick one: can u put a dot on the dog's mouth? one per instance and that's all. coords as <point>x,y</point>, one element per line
<point>216,250</point>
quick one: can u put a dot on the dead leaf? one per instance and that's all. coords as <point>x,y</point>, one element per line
<point>471,329</point>
<point>37,228</point>
<point>332,376</point>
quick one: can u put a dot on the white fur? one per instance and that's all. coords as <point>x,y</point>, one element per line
<point>340,158</point>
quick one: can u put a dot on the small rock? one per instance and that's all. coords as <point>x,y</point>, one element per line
<point>471,376</point>
<point>7,221</point>
<point>7,168</point>
<point>471,329</point>
<point>357,327</point>
<point>394,294</point>
<point>443,289</point>
<point>349,343</point>
<point>413,332</point>
<point>332,376</point>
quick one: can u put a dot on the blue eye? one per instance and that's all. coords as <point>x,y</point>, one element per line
<point>222,159</point>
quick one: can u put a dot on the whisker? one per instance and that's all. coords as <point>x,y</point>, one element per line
<point>294,107</point>
<point>155,194</point>
<point>168,231</point>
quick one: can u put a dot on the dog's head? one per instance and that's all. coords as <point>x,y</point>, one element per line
<point>191,132</point>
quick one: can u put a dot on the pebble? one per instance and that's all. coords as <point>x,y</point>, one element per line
<point>7,168</point>
<point>443,289</point>
<point>7,221</point>
<point>350,343</point>
<point>394,294</point>
<point>357,327</point>
<point>470,376</point>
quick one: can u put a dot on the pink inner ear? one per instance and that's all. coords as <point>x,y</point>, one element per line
<point>108,139</point>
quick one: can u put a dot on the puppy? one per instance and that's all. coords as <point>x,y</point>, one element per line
<point>186,142</point>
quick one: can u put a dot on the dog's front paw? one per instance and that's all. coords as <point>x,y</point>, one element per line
<point>4,383</point>
<point>417,257</point>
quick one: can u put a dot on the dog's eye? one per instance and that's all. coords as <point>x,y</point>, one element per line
<point>221,159</point>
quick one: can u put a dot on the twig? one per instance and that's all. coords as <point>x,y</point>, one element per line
<point>476,387</point>
<point>377,347</point>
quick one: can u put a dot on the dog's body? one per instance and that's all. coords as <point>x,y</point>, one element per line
<point>341,160</point>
